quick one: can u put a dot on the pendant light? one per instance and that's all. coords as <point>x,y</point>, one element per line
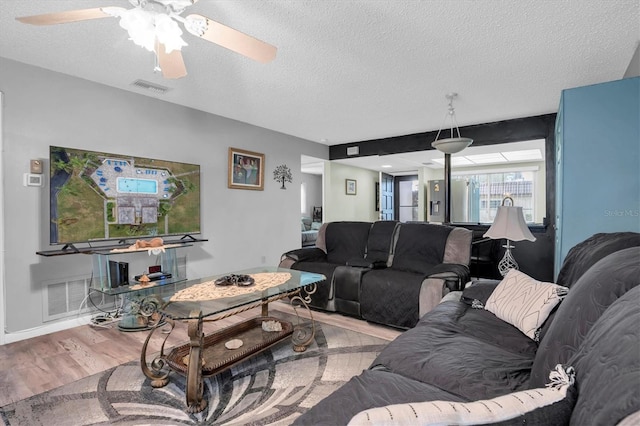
<point>452,144</point>
<point>449,146</point>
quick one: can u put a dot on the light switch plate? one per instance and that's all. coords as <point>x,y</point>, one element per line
<point>36,166</point>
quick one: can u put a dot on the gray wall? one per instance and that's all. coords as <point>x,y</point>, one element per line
<point>633,70</point>
<point>341,206</point>
<point>313,183</point>
<point>42,108</point>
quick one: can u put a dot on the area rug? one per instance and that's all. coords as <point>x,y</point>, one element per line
<point>272,388</point>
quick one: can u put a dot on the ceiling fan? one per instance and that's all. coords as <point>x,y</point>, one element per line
<point>153,24</point>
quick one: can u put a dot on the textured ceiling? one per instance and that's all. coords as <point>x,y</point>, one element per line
<point>354,70</point>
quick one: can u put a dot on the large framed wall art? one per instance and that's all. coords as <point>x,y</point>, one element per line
<point>246,169</point>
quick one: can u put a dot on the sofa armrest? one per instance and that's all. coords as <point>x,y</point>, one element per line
<point>309,254</point>
<point>431,292</point>
<point>443,279</point>
<point>305,254</point>
<point>454,274</point>
<point>452,296</point>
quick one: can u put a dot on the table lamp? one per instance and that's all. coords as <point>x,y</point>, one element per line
<point>509,224</point>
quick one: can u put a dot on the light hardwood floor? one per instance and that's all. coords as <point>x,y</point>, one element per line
<point>33,366</point>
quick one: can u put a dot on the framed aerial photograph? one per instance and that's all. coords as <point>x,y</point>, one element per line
<point>246,169</point>
<point>350,186</point>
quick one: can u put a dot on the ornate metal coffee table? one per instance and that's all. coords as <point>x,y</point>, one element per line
<point>199,301</point>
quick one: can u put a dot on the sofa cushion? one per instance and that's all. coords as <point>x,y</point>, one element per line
<point>589,297</point>
<point>481,324</point>
<point>585,254</point>
<point>524,302</point>
<point>372,388</point>
<point>542,406</point>
<point>608,365</point>
<point>478,292</point>
<point>384,296</point>
<point>467,352</point>
<point>380,240</point>
<point>346,240</point>
<point>420,246</point>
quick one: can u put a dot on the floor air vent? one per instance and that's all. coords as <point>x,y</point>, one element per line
<point>65,299</point>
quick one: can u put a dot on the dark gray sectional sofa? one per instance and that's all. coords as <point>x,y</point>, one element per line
<point>385,272</point>
<point>461,352</point>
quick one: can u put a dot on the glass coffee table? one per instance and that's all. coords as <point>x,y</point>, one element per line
<point>214,298</point>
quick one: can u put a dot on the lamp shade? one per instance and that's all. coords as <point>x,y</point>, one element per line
<point>509,224</point>
<point>451,145</point>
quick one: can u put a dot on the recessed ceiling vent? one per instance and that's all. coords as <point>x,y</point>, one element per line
<point>152,87</point>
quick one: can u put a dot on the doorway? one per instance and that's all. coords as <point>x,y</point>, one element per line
<point>406,200</point>
<point>386,205</point>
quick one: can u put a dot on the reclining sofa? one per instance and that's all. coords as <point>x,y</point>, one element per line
<point>385,272</point>
<point>468,362</point>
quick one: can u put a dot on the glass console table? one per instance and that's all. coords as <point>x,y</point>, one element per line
<point>201,300</point>
<point>116,268</point>
<point>140,299</point>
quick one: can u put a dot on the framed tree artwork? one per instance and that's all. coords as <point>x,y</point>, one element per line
<point>246,169</point>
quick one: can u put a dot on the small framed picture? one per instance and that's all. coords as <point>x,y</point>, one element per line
<point>351,186</point>
<point>246,169</point>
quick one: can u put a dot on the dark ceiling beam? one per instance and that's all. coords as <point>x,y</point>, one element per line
<point>519,129</point>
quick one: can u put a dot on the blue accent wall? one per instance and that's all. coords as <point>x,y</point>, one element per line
<point>598,164</point>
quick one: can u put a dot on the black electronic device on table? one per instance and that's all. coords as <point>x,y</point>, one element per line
<point>118,273</point>
<point>155,276</point>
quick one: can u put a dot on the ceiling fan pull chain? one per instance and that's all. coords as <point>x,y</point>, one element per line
<point>156,65</point>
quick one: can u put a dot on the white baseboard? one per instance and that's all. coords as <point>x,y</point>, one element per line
<point>47,329</point>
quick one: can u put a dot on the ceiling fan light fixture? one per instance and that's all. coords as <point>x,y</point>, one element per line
<point>169,33</point>
<point>452,144</point>
<point>158,31</point>
<point>145,27</point>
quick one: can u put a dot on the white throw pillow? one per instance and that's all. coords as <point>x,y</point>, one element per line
<point>524,302</point>
<point>549,405</point>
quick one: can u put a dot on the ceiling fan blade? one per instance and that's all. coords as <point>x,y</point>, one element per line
<point>64,17</point>
<point>235,40</point>
<point>171,64</point>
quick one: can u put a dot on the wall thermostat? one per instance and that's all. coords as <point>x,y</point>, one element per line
<point>31,179</point>
<point>35,166</point>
